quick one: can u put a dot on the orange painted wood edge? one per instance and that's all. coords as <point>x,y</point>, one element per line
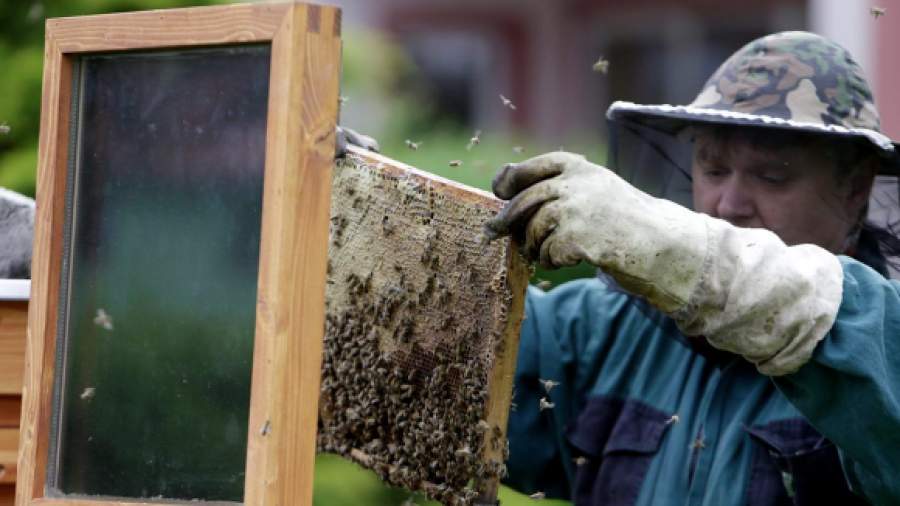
<point>283,392</point>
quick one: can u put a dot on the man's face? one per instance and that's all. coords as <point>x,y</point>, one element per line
<point>793,191</point>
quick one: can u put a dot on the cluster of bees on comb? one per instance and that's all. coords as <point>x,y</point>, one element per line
<point>416,310</point>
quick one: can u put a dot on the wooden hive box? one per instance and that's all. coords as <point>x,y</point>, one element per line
<point>13,323</point>
<point>422,327</point>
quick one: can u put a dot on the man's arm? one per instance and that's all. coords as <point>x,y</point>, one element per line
<point>850,389</point>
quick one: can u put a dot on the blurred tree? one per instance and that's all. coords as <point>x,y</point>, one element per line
<point>21,53</point>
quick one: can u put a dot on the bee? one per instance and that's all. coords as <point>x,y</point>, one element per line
<point>463,452</point>
<point>518,150</point>
<point>455,163</point>
<point>4,128</point>
<point>544,284</point>
<point>537,495</point>
<point>413,145</point>
<point>672,420</point>
<point>266,428</point>
<point>580,461</point>
<point>474,141</point>
<point>601,65</point>
<point>343,99</point>
<point>483,426</point>
<point>548,384</point>
<point>88,393</point>
<point>102,319</point>
<point>507,102</point>
<point>545,404</point>
<point>876,12</point>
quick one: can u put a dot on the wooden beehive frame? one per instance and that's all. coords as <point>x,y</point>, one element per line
<point>414,288</point>
<point>302,110</point>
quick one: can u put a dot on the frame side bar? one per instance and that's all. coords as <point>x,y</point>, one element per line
<point>37,390</point>
<point>290,321</point>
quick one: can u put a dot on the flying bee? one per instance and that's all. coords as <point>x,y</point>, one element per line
<point>877,12</point>
<point>474,141</point>
<point>4,128</point>
<point>343,99</point>
<point>601,65</point>
<point>88,393</point>
<point>548,384</point>
<point>455,163</point>
<point>518,150</point>
<point>507,102</point>
<point>103,319</point>
<point>544,284</point>
<point>545,404</point>
<point>672,420</point>
<point>413,145</point>
<point>538,495</point>
<point>580,461</point>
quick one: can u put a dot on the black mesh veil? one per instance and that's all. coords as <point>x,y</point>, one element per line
<point>654,160</point>
<point>656,157</point>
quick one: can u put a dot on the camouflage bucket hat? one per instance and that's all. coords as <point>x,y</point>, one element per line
<point>788,80</point>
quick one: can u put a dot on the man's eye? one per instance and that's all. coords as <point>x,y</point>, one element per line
<point>773,178</point>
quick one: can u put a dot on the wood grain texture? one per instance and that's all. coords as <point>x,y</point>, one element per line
<point>13,322</point>
<point>168,28</point>
<point>422,330</point>
<point>303,103</point>
<point>46,262</point>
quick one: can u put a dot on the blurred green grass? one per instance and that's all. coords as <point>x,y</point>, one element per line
<point>339,482</point>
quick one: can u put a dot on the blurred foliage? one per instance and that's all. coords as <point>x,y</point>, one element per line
<point>21,52</point>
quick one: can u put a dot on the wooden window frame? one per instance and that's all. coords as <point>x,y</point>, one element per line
<point>302,113</point>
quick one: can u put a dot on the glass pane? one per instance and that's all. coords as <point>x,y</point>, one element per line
<point>159,307</point>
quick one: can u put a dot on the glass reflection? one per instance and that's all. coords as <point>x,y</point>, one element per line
<point>159,307</point>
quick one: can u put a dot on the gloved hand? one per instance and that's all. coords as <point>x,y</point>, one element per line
<point>344,136</point>
<point>743,289</point>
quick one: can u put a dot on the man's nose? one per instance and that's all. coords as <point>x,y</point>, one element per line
<point>735,203</point>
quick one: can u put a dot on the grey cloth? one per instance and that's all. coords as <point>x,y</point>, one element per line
<point>16,234</point>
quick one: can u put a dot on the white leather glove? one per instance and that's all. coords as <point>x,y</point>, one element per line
<point>743,289</point>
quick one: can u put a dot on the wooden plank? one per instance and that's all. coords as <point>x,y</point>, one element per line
<point>10,410</point>
<point>291,292</point>
<point>46,262</point>
<point>422,330</point>
<point>9,444</point>
<point>167,28</point>
<point>7,495</point>
<point>13,323</point>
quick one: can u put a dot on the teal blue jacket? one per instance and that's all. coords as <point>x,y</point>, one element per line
<point>644,415</point>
